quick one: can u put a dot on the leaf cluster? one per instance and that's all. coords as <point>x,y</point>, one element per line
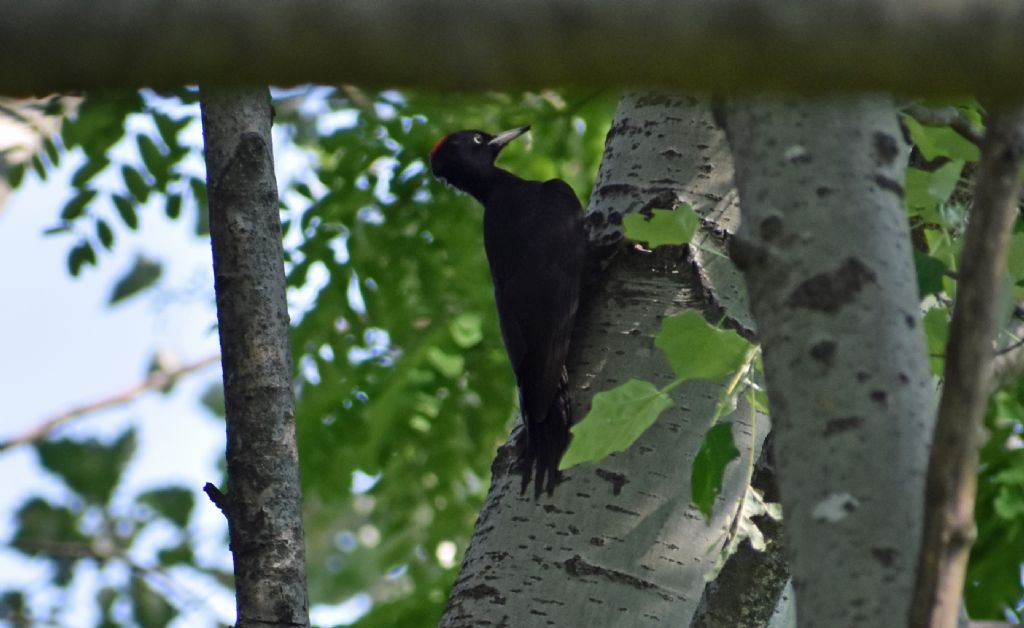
<point>89,526</point>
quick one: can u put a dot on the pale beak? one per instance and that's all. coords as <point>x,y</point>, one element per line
<point>504,138</point>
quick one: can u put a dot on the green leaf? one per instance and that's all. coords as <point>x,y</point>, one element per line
<point>15,174</point>
<point>172,209</point>
<point>169,128</point>
<point>143,274</point>
<point>98,123</point>
<point>1015,256</point>
<point>616,419</point>
<point>150,608</point>
<point>88,170</point>
<point>1009,502</point>
<point>941,141</point>
<point>88,467</point>
<point>717,451</point>
<point>173,503</point>
<point>51,150</point>
<point>105,234</point>
<point>60,228</point>
<point>202,206</point>
<point>126,209</point>
<point>13,607</point>
<point>926,190</point>
<point>213,399</point>
<point>39,166</point>
<point>696,350</point>
<point>136,184</point>
<point>467,330</point>
<point>76,206</point>
<point>105,599</point>
<point>42,525</point>
<point>936,333</point>
<point>930,272</point>
<point>80,255</point>
<point>154,159</point>
<point>180,554</point>
<point>448,364</point>
<point>665,226</point>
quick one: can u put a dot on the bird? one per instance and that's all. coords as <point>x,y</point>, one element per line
<point>536,249</point>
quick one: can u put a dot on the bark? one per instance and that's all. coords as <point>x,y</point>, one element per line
<point>619,543</point>
<point>748,589</point>
<point>952,471</point>
<point>263,503</point>
<point>826,252</point>
<point>917,46</point>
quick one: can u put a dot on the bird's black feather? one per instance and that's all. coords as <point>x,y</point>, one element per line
<point>535,244</point>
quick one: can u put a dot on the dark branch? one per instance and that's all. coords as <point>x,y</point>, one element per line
<point>952,481</point>
<point>55,45</point>
<point>219,499</point>
<point>947,116</point>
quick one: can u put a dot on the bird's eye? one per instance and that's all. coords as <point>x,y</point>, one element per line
<point>478,139</point>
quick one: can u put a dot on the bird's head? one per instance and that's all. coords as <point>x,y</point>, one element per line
<point>467,157</point>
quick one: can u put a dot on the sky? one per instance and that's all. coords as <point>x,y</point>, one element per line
<point>61,345</point>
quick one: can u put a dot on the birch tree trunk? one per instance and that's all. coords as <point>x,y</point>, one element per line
<point>263,504</point>
<point>619,544</point>
<point>826,252</point>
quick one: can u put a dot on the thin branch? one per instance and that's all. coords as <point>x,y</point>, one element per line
<point>947,116</point>
<point>157,380</point>
<point>952,480</point>
<point>176,593</point>
<point>219,499</point>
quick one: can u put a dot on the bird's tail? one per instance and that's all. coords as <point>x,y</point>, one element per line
<point>546,441</point>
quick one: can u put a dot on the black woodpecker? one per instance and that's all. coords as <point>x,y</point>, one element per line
<point>533,235</point>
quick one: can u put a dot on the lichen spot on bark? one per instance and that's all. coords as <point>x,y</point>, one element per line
<point>886,148</point>
<point>829,291</point>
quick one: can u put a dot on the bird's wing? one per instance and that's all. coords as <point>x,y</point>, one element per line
<point>538,298</point>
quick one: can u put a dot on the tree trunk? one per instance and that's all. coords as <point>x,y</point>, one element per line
<point>826,252</point>
<point>263,503</point>
<point>619,543</point>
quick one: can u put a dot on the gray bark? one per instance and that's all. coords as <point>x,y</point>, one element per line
<point>263,503</point>
<point>917,46</point>
<point>619,543</point>
<point>826,252</point>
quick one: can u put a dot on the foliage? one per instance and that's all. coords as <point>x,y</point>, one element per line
<point>937,197</point>
<point>90,527</point>
<point>403,388</point>
<point>993,575</point>
<point>617,417</point>
<point>695,350</point>
<point>662,227</point>
<point>402,381</point>
<point>714,454</point>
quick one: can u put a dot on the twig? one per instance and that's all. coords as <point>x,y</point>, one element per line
<point>952,467</point>
<point>176,593</point>
<point>219,499</point>
<point>947,116</point>
<point>157,380</point>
